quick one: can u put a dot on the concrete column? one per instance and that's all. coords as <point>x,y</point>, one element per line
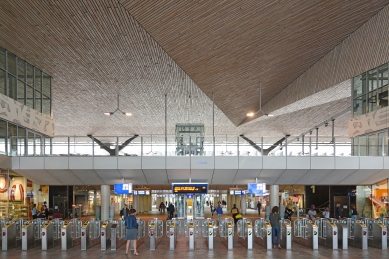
<point>135,202</point>
<point>105,201</point>
<point>274,199</point>
<point>243,204</point>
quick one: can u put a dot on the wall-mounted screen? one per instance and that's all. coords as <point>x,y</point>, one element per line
<point>256,188</point>
<point>189,188</point>
<point>122,188</point>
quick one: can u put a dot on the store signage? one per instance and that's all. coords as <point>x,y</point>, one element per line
<point>256,188</point>
<point>141,192</point>
<point>190,188</point>
<point>122,188</point>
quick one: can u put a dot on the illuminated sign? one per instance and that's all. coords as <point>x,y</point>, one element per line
<point>257,188</point>
<point>190,188</point>
<point>122,188</point>
<point>141,192</point>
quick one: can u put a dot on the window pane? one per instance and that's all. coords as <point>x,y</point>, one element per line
<point>11,63</point>
<point>3,135</point>
<point>38,80</point>
<point>359,83</point>
<point>12,139</point>
<point>12,87</point>
<point>383,75</point>
<point>22,141</point>
<point>383,97</point>
<point>46,85</point>
<point>38,101</point>
<point>21,91</point>
<point>360,106</point>
<point>30,75</point>
<point>373,82</point>
<point>2,82</point>
<point>372,102</point>
<point>21,69</point>
<point>2,58</point>
<point>46,105</point>
<point>30,96</point>
<point>30,143</point>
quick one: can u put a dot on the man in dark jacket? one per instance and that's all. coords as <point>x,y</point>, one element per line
<point>171,210</point>
<point>125,212</point>
<point>338,211</point>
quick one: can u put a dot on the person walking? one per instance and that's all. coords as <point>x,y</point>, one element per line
<point>338,211</point>
<point>125,212</point>
<point>219,211</point>
<point>34,212</point>
<point>212,210</point>
<point>259,208</point>
<point>235,212</point>
<point>131,231</point>
<point>275,226</point>
<point>312,213</point>
<point>171,210</point>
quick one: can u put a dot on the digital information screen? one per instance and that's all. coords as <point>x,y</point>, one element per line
<point>122,188</point>
<point>256,188</point>
<point>189,188</point>
<point>141,192</point>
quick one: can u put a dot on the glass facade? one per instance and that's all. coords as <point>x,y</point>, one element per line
<point>24,83</point>
<point>370,90</point>
<point>19,141</point>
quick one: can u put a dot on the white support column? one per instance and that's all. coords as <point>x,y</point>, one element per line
<point>274,199</point>
<point>105,201</point>
<point>243,204</point>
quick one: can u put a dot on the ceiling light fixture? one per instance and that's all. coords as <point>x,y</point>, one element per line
<point>118,109</point>
<point>251,114</point>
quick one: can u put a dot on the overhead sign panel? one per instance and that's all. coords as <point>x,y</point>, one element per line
<point>122,188</point>
<point>256,188</point>
<point>189,188</point>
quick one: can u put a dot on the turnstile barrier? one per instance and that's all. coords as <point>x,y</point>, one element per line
<point>286,234</point>
<point>90,233</point>
<point>377,233</point>
<point>191,231</point>
<point>173,230</point>
<point>117,239</point>
<point>328,233</point>
<point>226,230</point>
<point>105,235</point>
<point>342,231</point>
<point>357,233</point>
<point>9,235</point>
<point>245,233</point>
<point>263,232</point>
<point>306,232</point>
<point>155,231</point>
<point>51,233</point>
<point>208,231</point>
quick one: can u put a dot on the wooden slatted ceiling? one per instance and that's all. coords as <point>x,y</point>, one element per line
<point>227,47</point>
<point>96,49</point>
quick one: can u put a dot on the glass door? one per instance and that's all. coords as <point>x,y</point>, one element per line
<point>180,205</point>
<point>198,204</point>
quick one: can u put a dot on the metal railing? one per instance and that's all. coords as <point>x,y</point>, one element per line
<point>155,145</point>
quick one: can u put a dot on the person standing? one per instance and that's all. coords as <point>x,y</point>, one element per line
<point>125,212</point>
<point>338,211</point>
<point>171,210</point>
<point>34,212</point>
<point>312,213</point>
<point>275,226</point>
<point>219,211</point>
<point>131,231</point>
<point>211,206</point>
<point>259,208</point>
<point>354,213</point>
<point>326,213</point>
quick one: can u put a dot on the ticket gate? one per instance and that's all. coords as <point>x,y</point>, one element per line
<point>191,231</point>
<point>262,230</point>
<point>173,230</point>
<point>377,233</point>
<point>245,233</point>
<point>12,234</point>
<point>90,233</point>
<point>70,233</point>
<point>209,232</point>
<point>342,232</point>
<point>51,235</point>
<point>357,233</point>
<point>155,232</point>
<point>28,237</point>
<point>105,235</point>
<point>140,234</point>
<point>118,233</point>
<point>226,230</point>
<point>306,233</point>
<point>286,234</point>
<point>328,233</point>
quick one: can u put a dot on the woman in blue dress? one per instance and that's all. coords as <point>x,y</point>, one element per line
<point>131,231</point>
